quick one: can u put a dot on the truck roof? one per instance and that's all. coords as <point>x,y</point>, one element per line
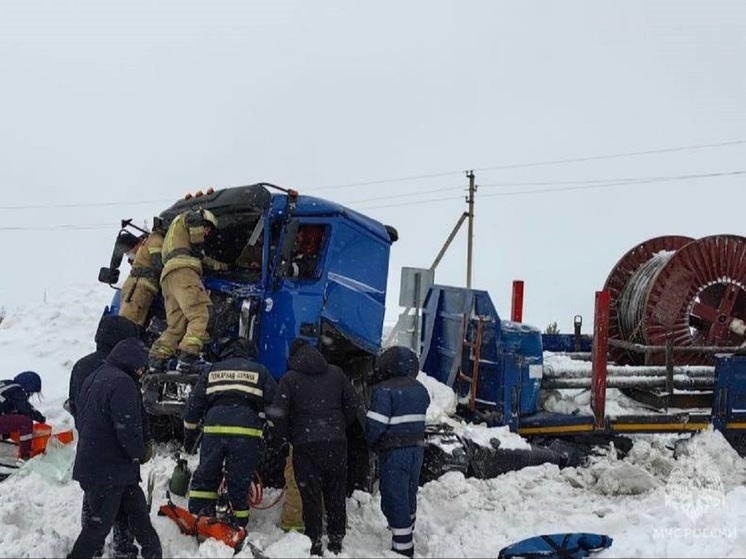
<point>256,199</point>
<point>319,207</point>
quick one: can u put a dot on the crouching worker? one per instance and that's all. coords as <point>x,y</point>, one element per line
<point>229,399</point>
<point>395,428</point>
<point>111,447</point>
<point>16,413</point>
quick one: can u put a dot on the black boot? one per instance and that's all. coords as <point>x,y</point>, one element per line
<point>187,362</point>
<point>317,549</point>
<point>157,365</point>
<point>335,544</point>
<point>405,552</point>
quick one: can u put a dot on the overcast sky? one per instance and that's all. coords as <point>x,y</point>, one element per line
<point>114,109</point>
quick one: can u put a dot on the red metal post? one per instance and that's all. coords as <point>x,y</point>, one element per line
<point>516,305</point>
<point>599,357</point>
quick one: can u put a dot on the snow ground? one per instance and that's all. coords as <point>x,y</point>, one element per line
<point>651,504</point>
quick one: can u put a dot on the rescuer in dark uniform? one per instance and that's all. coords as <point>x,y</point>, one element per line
<point>229,399</point>
<point>395,427</point>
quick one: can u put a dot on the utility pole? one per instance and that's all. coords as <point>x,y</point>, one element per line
<point>470,200</point>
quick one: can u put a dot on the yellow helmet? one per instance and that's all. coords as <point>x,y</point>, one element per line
<point>210,218</point>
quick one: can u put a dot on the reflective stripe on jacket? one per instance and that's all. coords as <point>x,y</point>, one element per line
<point>230,397</point>
<point>396,416</point>
<point>179,243</point>
<point>148,262</point>
<point>14,399</point>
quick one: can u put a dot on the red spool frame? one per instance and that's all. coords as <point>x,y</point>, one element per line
<point>696,295</point>
<point>618,278</point>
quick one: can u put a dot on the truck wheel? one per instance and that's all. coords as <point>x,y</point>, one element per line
<point>165,428</point>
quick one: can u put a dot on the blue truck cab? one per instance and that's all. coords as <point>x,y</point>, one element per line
<point>322,275</point>
<point>298,266</point>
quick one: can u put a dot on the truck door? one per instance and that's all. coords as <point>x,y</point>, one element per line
<point>293,307</point>
<point>356,267</point>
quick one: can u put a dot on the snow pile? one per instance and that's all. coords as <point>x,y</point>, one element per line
<point>664,498</point>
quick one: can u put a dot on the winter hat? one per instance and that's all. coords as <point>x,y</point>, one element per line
<point>29,381</point>
<point>240,347</point>
<point>129,355</point>
<point>296,345</point>
<point>113,328</point>
<point>397,361</point>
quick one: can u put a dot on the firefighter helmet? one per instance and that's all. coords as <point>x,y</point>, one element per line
<point>210,218</point>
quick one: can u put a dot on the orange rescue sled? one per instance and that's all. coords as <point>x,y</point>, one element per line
<point>40,437</point>
<point>204,527</point>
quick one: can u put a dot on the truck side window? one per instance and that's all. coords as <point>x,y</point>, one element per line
<point>308,245</point>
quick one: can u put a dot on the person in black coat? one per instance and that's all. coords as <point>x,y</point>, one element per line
<point>112,329</point>
<point>16,412</point>
<point>395,427</point>
<point>229,398</point>
<point>111,447</point>
<point>314,405</point>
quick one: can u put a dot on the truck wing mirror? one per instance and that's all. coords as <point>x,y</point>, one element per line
<point>125,242</point>
<point>108,275</point>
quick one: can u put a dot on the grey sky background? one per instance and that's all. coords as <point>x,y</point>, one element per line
<point>111,110</point>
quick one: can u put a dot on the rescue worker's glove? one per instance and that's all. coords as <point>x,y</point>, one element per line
<point>285,449</point>
<point>197,250</point>
<point>191,437</point>
<point>149,451</point>
<point>39,417</point>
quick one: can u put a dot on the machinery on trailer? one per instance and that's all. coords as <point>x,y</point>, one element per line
<point>667,324</point>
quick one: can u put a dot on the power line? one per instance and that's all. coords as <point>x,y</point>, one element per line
<point>418,202</point>
<point>582,186</point>
<point>612,184</point>
<point>617,181</point>
<point>538,164</point>
<point>84,205</point>
<point>601,182</point>
<point>579,185</point>
<point>559,183</point>
<point>612,156</point>
<point>408,195</point>
<point>412,177</point>
<point>61,227</point>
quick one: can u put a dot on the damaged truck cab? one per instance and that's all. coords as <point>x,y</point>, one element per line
<point>322,275</point>
<point>298,266</point>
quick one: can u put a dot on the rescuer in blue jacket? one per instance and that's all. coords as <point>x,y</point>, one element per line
<point>229,398</point>
<point>395,428</point>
